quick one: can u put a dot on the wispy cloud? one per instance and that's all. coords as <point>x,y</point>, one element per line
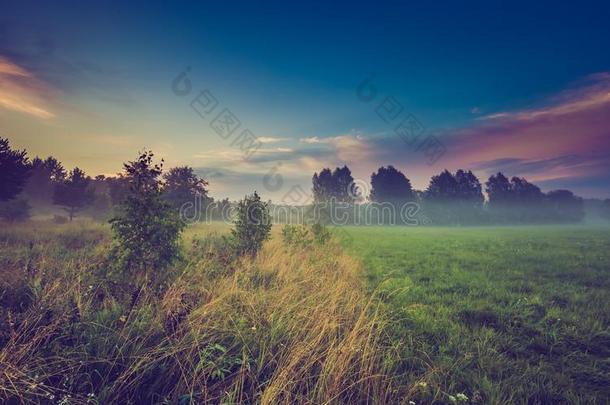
<point>270,139</point>
<point>567,136</point>
<point>23,92</point>
<point>595,93</point>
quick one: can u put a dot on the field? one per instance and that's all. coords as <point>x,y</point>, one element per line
<point>503,315</point>
<point>389,315</point>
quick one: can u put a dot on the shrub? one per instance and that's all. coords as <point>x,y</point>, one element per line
<point>320,233</point>
<point>297,236</point>
<point>146,228</point>
<point>302,236</point>
<point>15,210</point>
<point>252,225</point>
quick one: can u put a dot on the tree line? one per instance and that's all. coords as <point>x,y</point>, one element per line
<point>457,198</point>
<point>42,183</point>
<point>450,198</point>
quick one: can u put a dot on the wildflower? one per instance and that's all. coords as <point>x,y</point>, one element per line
<point>422,384</point>
<point>253,328</point>
<point>123,318</point>
<point>461,397</point>
<point>452,399</point>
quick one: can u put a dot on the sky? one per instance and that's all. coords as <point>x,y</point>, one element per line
<point>489,86</point>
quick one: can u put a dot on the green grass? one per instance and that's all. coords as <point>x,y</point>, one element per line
<point>502,315</point>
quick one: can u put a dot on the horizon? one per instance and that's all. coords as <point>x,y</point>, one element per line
<point>520,90</point>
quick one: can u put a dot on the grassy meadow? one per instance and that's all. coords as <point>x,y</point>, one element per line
<point>502,315</point>
<point>375,315</point>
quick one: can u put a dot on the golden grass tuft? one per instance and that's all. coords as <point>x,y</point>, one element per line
<point>289,326</point>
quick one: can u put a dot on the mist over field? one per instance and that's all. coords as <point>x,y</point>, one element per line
<point>304,203</point>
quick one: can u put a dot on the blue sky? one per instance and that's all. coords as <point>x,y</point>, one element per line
<point>495,81</point>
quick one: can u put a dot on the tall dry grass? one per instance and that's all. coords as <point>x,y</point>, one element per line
<point>289,326</point>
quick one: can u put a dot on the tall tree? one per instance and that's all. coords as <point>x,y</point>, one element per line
<point>74,193</point>
<point>343,185</point>
<point>442,188</point>
<point>456,199</point>
<point>469,188</point>
<point>390,185</point>
<point>14,170</point>
<point>182,185</point>
<point>146,228</point>
<point>322,185</point>
<point>118,189</point>
<point>335,185</point>
<point>498,189</point>
<point>45,175</point>
<point>565,206</point>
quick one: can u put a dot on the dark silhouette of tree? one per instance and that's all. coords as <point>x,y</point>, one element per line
<point>45,175</point>
<point>344,182</point>
<point>470,199</point>
<point>336,185</point>
<point>333,191</point>
<point>118,189</point>
<point>469,188</point>
<point>438,197</point>
<point>526,202</point>
<point>251,226</point>
<point>522,190</point>
<point>14,170</point>
<point>500,198</point>
<point>15,210</point>
<point>183,186</point>
<point>74,193</point>
<point>390,185</point>
<point>323,185</point>
<point>146,228</point>
<point>456,199</point>
<point>442,188</point>
<point>498,190</point>
<point>565,206</point>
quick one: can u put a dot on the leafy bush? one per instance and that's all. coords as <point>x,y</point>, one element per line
<point>15,210</point>
<point>320,233</point>
<point>301,236</point>
<point>296,236</point>
<point>146,228</point>
<point>252,225</point>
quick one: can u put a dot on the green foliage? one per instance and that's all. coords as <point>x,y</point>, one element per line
<point>146,229</point>
<point>297,236</point>
<point>252,225</point>
<point>301,236</point>
<point>390,185</point>
<point>320,233</point>
<point>15,210</point>
<point>182,186</point>
<point>14,170</point>
<point>44,176</point>
<point>74,193</point>
<point>333,185</point>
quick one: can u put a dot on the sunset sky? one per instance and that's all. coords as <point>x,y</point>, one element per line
<point>518,88</point>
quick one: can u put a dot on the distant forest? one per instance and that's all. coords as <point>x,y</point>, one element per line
<point>38,185</point>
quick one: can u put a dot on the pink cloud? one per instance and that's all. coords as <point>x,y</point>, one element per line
<point>23,92</point>
<point>574,123</point>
